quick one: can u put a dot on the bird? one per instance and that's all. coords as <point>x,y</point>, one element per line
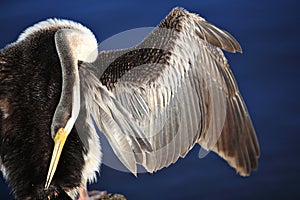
<point>153,102</point>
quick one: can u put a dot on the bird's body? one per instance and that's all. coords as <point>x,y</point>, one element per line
<point>29,95</point>
<point>153,102</point>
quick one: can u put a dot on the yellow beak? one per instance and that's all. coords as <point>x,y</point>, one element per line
<point>59,141</point>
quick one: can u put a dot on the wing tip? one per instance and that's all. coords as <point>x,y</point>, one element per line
<point>209,32</point>
<point>225,40</point>
<point>245,171</point>
<point>238,144</point>
<point>244,168</point>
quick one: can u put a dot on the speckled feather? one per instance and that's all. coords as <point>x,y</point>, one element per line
<point>177,79</point>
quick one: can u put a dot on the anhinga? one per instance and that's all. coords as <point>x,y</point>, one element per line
<point>153,102</point>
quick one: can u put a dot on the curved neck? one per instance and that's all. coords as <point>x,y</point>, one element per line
<point>68,107</point>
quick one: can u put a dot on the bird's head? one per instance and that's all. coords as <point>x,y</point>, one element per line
<point>73,43</point>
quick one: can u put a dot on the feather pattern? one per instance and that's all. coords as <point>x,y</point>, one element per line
<point>155,101</point>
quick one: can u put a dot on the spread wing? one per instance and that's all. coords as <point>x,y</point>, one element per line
<point>155,101</point>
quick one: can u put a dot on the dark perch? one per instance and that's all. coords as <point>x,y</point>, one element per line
<point>113,197</point>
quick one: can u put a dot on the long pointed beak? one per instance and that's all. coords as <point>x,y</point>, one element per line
<point>59,141</point>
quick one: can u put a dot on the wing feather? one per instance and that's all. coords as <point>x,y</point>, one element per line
<point>174,90</point>
<point>125,138</point>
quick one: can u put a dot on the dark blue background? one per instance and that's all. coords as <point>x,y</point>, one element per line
<point>268,73</point>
